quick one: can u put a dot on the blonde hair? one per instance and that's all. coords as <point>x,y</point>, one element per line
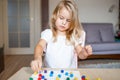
<point>75,26</point>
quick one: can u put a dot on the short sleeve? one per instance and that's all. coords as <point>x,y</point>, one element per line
<point>81,40</point>
<point>46,35</point>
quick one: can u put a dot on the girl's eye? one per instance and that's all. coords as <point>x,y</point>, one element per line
<point>61,17</point>
<point>68,20</point>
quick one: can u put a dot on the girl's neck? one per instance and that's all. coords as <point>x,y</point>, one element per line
<point>61,33</point>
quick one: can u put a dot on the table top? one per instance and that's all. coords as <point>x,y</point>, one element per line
<point>92,73</point>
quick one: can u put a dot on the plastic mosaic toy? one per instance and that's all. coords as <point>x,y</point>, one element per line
<point>56,75</point>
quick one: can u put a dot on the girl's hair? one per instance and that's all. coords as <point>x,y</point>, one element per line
<point>75,26</point>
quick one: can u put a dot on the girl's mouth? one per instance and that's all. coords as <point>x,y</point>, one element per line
<point>62,27</point>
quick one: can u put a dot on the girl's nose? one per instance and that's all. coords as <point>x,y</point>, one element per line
<point>64,22</point>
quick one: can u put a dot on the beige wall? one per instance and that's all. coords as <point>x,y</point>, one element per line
<point>1,23</point>
<point>96,11</point>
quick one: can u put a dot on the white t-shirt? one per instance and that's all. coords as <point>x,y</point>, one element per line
<point>59,54</point>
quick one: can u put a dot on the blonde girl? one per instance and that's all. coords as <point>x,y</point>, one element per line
<point>64,41</point>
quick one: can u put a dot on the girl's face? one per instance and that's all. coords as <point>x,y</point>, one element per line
<point>63,20</point>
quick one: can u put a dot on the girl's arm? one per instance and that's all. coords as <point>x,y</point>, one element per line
<point>83,52</point>
<point>37,62</point>
<point>39,49</point>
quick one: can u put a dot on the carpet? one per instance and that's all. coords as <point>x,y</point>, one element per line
<point>99,64</point>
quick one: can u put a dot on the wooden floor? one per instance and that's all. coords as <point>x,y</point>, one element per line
<point>13,64</point>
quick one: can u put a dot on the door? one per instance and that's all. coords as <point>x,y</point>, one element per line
<point>20,37</point>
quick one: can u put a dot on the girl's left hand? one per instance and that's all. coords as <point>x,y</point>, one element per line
<point>84,52</point>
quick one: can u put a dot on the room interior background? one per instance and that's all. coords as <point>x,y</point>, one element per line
<point>94,11</point>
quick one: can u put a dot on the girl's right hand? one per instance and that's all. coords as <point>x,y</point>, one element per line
<point>36,65</point>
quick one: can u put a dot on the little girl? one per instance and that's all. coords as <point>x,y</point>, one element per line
<point>64,41</point>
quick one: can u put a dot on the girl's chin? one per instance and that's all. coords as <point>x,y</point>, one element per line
<point>62,29</point>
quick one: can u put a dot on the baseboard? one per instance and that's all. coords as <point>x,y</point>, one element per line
<point>107,56</point>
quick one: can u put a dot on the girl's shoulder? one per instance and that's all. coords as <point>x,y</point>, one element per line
<point>83,32</point>
<point>47,31</point>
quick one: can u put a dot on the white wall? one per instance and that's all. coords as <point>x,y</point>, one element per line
<point>96,11</point>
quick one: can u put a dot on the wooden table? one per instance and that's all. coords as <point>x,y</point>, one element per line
<point>92,73</point>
